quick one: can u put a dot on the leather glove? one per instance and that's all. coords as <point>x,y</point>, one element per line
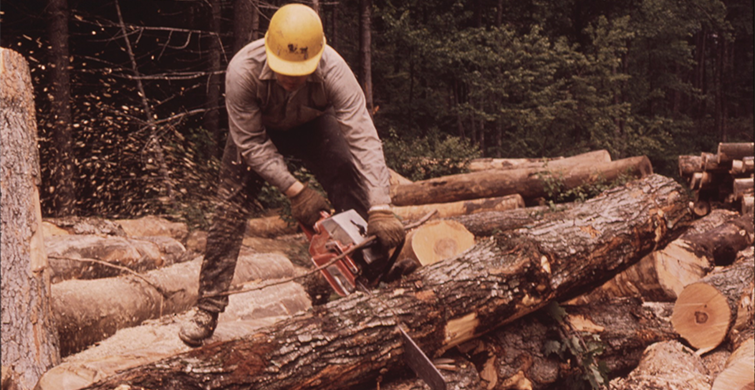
<point>306,206</point>
<point>388,229</point>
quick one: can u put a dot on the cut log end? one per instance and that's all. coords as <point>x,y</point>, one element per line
<point>701,316</point>
<point>436,241</point>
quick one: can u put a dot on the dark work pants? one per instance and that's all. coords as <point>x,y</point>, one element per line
<point>321,147</point>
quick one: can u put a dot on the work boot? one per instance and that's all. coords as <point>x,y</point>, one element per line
<point>198,327</point>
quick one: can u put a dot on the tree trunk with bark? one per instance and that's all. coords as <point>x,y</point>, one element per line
<point>365,51</point>
<point>214,81</point>
<point>529,183</point>
<point>663,274</point>
<point>29,340</point>
<point>352,340</point>
<point>62,171</point>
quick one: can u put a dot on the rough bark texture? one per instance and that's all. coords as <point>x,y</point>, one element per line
<point>88,311</point>
<point>29,341</point>
<point>662,275</point>
<point>667,365</point>
<point>488,223</point>
<point>529,183</point>
<point>350,341</point>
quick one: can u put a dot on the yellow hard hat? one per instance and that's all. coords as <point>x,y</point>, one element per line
<point>295,41</point>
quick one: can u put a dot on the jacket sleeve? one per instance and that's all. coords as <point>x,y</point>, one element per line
<point>247,131</point>
<point>350,108</point>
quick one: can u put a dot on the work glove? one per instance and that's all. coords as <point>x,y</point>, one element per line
<point>388,229</point>
<point>306,206</point>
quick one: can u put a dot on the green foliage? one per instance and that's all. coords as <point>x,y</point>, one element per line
<point>583,347</point>
<point>428,157</point>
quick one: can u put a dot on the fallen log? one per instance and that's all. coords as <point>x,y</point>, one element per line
<point>70,255</point>
<point>352,340</point>
<point>594,157</point>
<point>666,365</point>
<point>662,275</point>
<point>157,339</point>
<point>87,311</point>
<point>729,151</point>
<point>707,310</point>
<point>464,207</point>
<point>529,183</point>
<point>275,226</point>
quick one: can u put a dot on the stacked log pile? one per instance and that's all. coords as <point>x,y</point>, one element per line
<point>511,264</point>
<point>725,177</point>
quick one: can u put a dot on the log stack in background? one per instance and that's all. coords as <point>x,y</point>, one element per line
<point>723,178</point>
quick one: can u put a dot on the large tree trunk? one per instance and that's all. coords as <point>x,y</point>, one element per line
<point>29,339</point>
<point>529,183</point>
<point>214,81</point>
<point>663,274</point>
<point>64,197</point>
<point>352,340</point>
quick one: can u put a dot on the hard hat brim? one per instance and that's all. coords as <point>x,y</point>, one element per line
<point>291,68</point>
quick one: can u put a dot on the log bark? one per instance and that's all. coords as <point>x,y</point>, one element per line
<point>734,151</point>
<point>29,341</point>
<point>594,157</point>
<point>666,365</point>
<point>465,207</point>
<point>275,226</point>
<point>93,256</point>
<point>529,183</point>
<point>435,241</point>
<point>707,310</point>
<point>663,274</point>
<point>87,311</point>
<point>352,340</point>
<point>488,223</point>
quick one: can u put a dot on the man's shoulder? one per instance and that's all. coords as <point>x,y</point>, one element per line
<point>250,58</point>
<point>331,63</point>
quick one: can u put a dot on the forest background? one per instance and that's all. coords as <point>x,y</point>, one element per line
<point>129,95</point>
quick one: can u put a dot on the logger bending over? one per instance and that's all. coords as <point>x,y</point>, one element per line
<point>290,94</point>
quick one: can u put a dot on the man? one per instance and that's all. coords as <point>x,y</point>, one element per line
<point>290,93</point>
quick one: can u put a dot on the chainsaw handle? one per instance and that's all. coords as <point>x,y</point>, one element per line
<point>311,231</point>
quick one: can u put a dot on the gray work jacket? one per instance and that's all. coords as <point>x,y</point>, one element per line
<point>257,104</point>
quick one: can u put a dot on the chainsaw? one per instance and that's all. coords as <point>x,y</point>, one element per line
<point>351,261</point>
